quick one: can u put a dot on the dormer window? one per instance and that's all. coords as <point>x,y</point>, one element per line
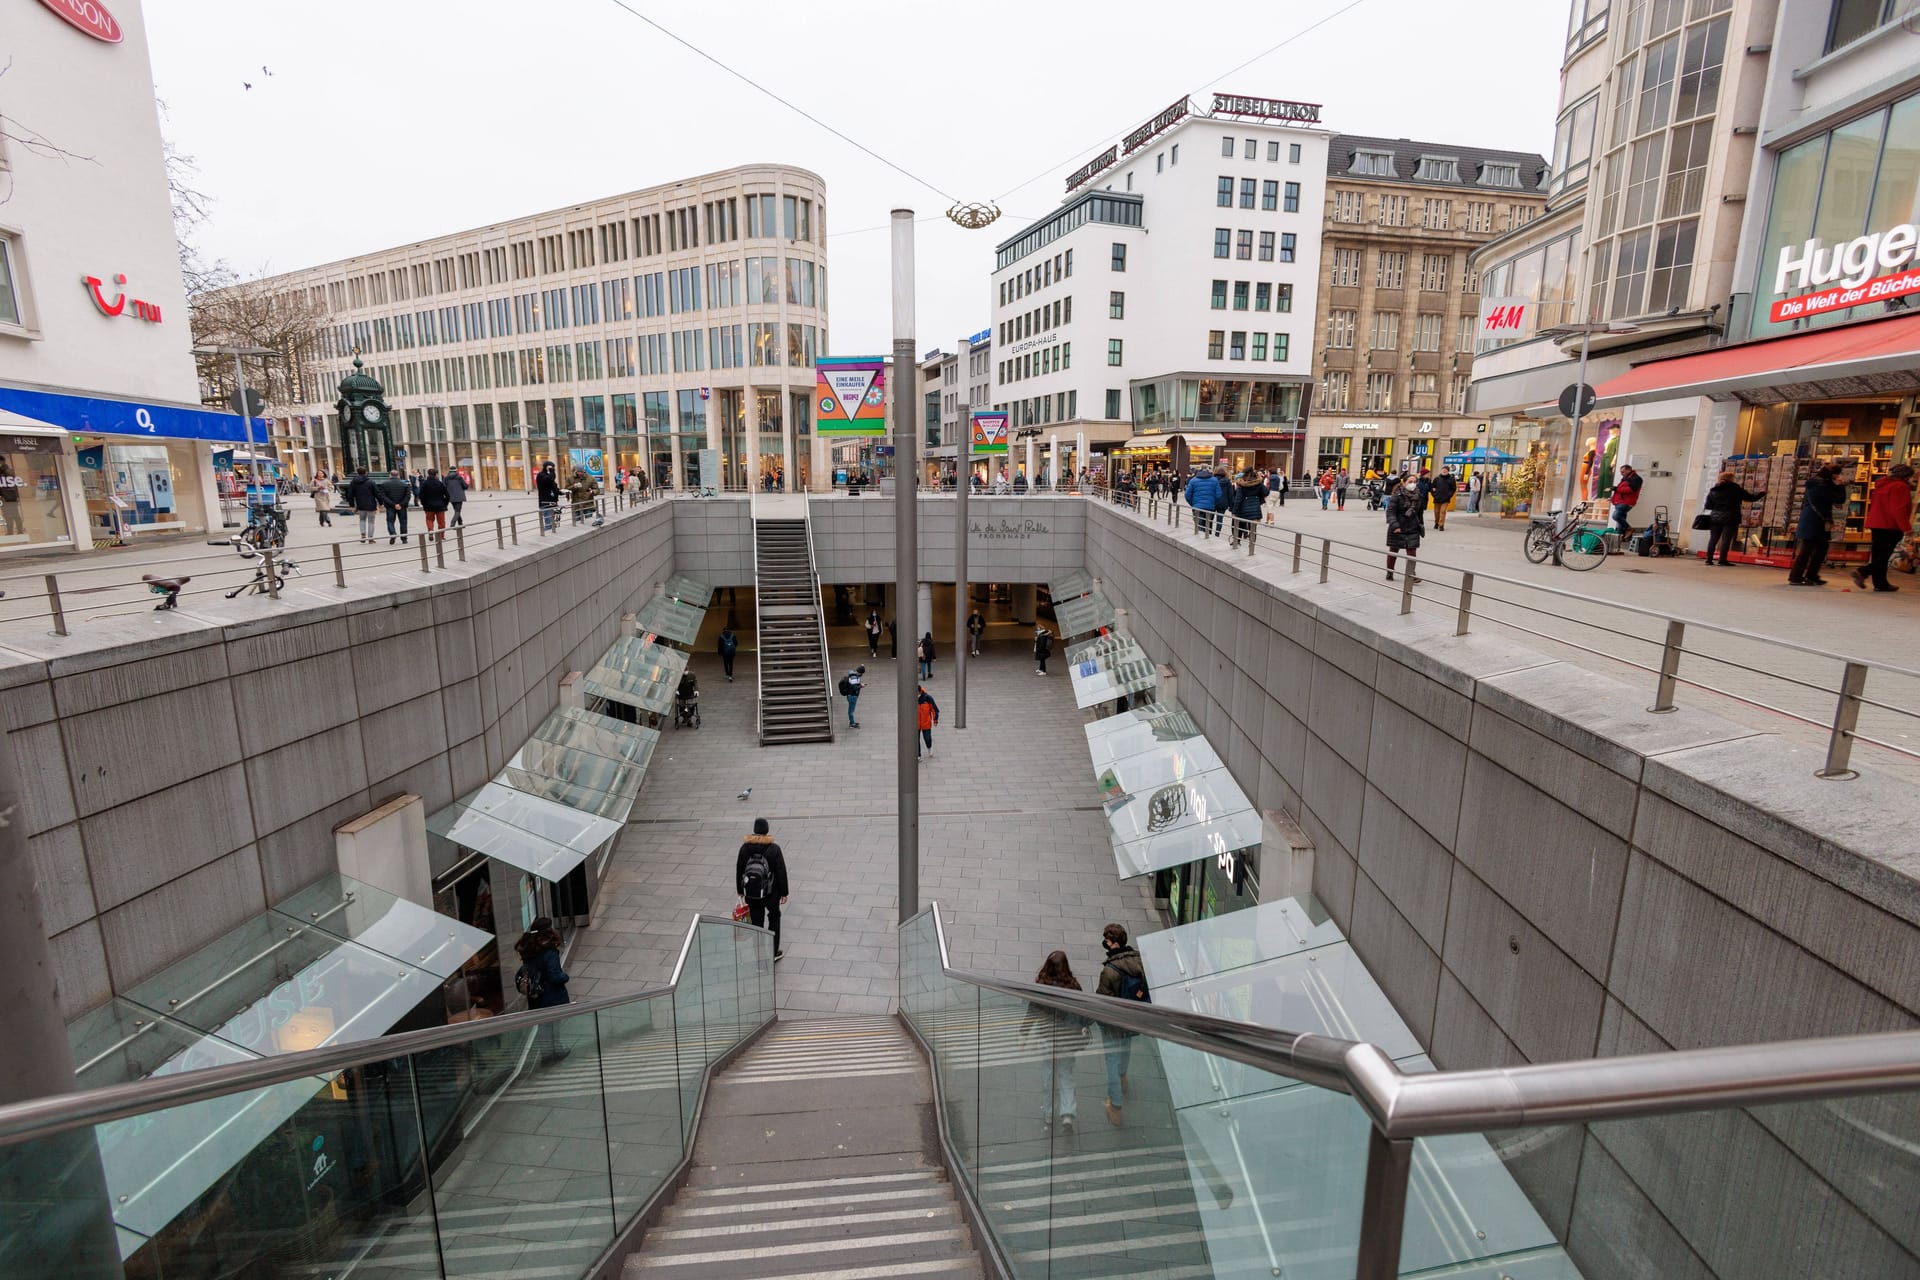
<point>1373,164</point>
<point>1500,175</point>
<point>1438,169</point>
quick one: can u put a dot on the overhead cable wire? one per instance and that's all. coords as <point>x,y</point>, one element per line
<point>791,106</point>
<point>1350,5</point>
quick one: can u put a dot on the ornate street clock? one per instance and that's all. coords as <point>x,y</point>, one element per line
<point>364,417</point>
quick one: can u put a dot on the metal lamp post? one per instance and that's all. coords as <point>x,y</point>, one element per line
<point>906,550</point>
<point>240,392</point>
<point>1577,421</point>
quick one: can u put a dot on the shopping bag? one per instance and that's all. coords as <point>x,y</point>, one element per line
<point>740,912</point>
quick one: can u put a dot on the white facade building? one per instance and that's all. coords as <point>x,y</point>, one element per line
<point>1172,294</point>
<point>657,323</point>
<point>102,437</point>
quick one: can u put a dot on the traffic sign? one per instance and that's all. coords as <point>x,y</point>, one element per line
<point>254,403</point>
<point>1577,400</point>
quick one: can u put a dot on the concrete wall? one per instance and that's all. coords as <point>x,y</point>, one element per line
<point>1014,540</point>
<point>186,770</point>
<point>1535,868</point>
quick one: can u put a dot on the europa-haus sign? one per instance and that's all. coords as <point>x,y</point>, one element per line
<point>1876,267</point>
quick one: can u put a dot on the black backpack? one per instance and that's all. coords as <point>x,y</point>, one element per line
<point>756,878</point>
<point>1131,988</point>
<point>527,982</point>
<point>846,686</point>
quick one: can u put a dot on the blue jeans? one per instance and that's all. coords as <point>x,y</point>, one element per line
<point>1324,495</point>
<point>399,515</point>
<point>853,700</point>
<point>549,516</point>
<point>1119,1054</point>
<point>1060,1067</point>
<point>926,670</point>
<point>1620,519</point>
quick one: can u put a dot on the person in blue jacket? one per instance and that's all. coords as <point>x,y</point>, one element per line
<point>543,981</point>
<point>1203,495</point>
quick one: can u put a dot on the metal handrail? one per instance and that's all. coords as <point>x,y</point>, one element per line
<point>759,636</point>
<point>1403,1107</point>
<point>820,608</point>
<point>59,1113</point>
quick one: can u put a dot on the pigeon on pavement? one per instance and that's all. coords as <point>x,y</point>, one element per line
<point>744,794</point>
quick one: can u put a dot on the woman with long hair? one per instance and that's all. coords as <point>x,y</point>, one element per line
<point>543,981</point>
<point>1066,1035</point>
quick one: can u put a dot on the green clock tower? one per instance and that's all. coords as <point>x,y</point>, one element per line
<point>366,423</point>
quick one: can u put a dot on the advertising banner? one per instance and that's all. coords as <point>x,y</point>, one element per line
<point>850,396</point>
<point>989,431</point>
<point>591,461</point>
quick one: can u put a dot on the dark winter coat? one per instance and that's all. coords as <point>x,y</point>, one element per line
<point>729,644</point>
<point>1248,497</point>
<point>1424,488</point>
<point>1444,486</point>
<point>775,859</point>
<point>553,980</point>
<point>394,492</point>
<point>456,488</point>
<point>1724,501</point>
<point>433,494</point>
<point>1123,961</point>
<point>363,494</point>
<point>1043,644</point>
<point>546,486</point>
<point>1405,527</point>
<point>1816,510</point>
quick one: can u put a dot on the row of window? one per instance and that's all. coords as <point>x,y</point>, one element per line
<point>1371,162</point>
<point>1337,387</point>
<point>1249,149</point>
<point>1233,345</point>
<point>1061,406</point>
<point>1271,197</point>
<point>1033,364</point>
<point>1119,211</point>
<point>1035,278</point>
<point>1239,244</point>
<point>1260,296</point>
<point>1390,271</point>
<point>752,282</point>
<point>1039,320</point>
<point>1426,331</point>
<point>1437,213</point>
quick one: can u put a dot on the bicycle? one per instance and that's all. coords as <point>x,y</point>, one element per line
<point>1573,545</point>
<point>266,527</point>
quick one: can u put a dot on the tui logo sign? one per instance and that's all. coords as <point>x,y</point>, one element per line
<point>89,16</point>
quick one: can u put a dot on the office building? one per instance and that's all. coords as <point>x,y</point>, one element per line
<point>1399,306</point>
<point>1165,309</point>
<point>650,325</point>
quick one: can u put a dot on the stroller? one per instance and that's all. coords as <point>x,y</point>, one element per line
<point>686,703</point>
<point>1375,492</point>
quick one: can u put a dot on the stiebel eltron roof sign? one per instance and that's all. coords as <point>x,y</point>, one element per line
<point>1234,104</point>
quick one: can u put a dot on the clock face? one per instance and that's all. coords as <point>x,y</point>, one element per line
<point>371,413</point>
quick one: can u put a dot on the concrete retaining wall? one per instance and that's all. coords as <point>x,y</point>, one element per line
<point>185,770</point>
<point>1536,868</point>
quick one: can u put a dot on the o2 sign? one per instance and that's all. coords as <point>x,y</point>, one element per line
<point>89,16</point>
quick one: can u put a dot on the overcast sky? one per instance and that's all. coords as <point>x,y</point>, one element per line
<point>387,121</point>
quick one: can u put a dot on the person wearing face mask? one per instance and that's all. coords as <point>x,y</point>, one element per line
<point>1405,525</point>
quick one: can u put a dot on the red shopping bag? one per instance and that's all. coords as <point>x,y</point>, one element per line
<point>740,912</point>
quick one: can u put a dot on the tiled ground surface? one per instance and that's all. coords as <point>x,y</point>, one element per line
<point>1012,842</point>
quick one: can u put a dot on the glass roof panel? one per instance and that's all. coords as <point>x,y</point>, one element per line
<point>574,795</point>
<point>689,591</point>
<point>1083,614</point>
<point>1076,582</point>
<point>1236,939</point>
<point>670,618</point>
<point>582,768</point>
<point>1140,729</point>
<point>354,911</point>
<point>649,692</point>
<point>1201,817</point>
<point>602,735</point>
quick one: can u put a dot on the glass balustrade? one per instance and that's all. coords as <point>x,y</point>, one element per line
<point>515,1149</point>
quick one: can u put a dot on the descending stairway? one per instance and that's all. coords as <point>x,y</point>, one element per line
<point>815,1157</point>
<point>795,701</point>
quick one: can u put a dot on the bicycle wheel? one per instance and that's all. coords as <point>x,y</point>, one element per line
<point>1583,549</point>
<point>1539,544</point>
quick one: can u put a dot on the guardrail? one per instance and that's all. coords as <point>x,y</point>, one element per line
<point>1474,597</point>
<point>269,571</point>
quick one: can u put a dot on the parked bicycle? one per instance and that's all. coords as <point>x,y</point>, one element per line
<point>266,527</point>
<point>268,579</point>
<point>1573,544</point>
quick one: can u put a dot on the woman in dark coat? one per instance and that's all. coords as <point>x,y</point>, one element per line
<point>1405,526</point>
<point>543,981</point>
<point>1814,531</point>
<point>1722,505</point>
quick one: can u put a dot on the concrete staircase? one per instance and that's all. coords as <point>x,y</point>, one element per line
<point>795,702</point>
<point>815,1157</point>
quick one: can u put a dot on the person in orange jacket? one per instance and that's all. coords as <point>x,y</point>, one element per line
<point>929,716</point>
<point>1889,519</point>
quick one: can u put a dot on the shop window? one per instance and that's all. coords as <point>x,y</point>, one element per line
<point>32,510</point>
<point>132,489</point>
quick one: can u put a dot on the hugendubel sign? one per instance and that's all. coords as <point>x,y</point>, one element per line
<point>1876,267</point>
<point>89,16</point>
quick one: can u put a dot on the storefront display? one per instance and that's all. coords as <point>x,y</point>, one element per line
<point>32,508</point>
<point>134,488</point>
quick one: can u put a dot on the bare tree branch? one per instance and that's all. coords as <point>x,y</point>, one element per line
<point>30,140</point>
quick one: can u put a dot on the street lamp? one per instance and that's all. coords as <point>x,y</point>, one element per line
<point>240,394</point>
<point>1577,421</point>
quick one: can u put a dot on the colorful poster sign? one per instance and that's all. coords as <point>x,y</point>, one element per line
<point>591,461</point>
<point>850,396</point>
<point>989,431</point>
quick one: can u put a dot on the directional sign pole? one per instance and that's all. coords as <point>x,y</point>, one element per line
<point>240,379</point>
<point>1582,401</point>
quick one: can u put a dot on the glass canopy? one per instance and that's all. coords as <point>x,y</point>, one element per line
<point>540,836</point>
<point>1083,614</point>
<point>689,591</point>
<point>1140,729</point>
<point>1125,669</point>
<point>1160,765</point>
<point>574,767</point>
<point>1201,817</point>
<point>601,735</point>
<point>1076,582</point>
<point>649,689</point>
<point>670,618</point>
<point>631,653</point>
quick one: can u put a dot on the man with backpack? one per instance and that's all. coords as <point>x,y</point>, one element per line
<point>1125,977</point>
<point>850,684</point>
<point>760,878</point>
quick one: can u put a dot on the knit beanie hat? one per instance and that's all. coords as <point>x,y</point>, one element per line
<point>760,827</point>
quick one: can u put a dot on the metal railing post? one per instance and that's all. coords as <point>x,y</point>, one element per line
<point>440,550</point>
<point>1299,539</point>
<point>424,566</point>
<point>1466,605</point>
<point>339,567</point>
<point>266,567</point>
<point>460,540</point>
<point>1406,591</point>
<point>1669,668</point>
<point>53,598</point>
<point>500,533</point>
<point>1853,681</point>
<point>513,527</point>
<point>1326,557</point>
<point>1383,1210</point>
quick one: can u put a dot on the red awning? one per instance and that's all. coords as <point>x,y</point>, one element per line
<point>1881,357</point>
